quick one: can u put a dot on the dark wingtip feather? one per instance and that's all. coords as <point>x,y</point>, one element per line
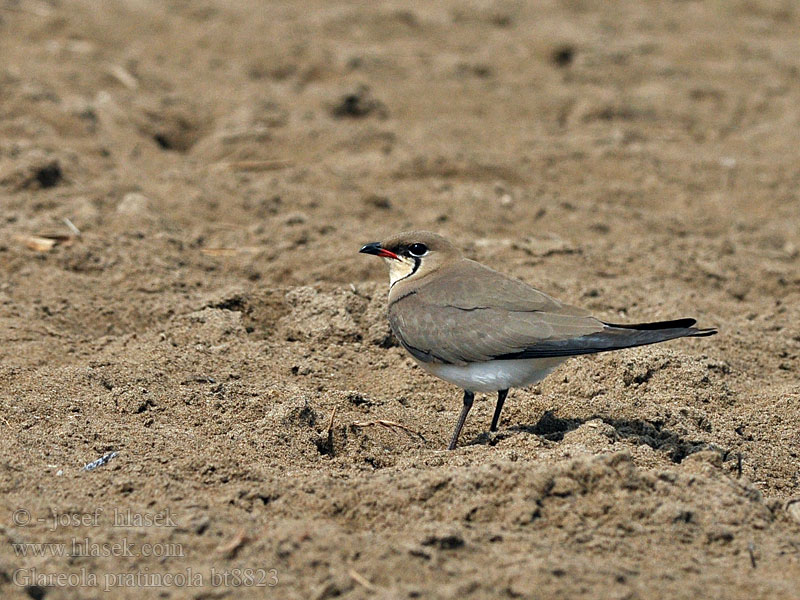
<point>614,337</point>
<point>675,324</point>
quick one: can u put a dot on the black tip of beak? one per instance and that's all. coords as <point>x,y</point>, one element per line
<point>372,248</point>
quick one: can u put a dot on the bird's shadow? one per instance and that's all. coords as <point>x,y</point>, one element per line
<point>651,433</point>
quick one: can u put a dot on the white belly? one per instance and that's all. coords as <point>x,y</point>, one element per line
<point>494,375</point>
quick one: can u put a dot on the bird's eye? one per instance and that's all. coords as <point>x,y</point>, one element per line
<point>417,249</point>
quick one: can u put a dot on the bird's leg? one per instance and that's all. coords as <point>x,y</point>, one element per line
<point>468,398</point>
<point>501,398</point>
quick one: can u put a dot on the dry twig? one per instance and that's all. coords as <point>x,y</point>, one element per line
<point>259,165</point>
<point>751,550</point>
<point>230,549</point>
<point>330,422</point>
<point>391,426</point>
<point>123,76</point>
<point>44,243</point>
<point>231,251</point>
<point>71,226</point>
<point>360,579</point>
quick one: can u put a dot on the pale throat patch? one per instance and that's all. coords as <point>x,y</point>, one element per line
<point>399,269</point>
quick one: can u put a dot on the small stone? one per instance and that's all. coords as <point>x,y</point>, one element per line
<point>133,203</point>
<point>358,104</point>
<point>48,175</point>
<point>295,218</point>
<point>450,541</point>
<point>793,509</point>
<point>376,201</point>
<point>563,56</point>
<point>564,486</point>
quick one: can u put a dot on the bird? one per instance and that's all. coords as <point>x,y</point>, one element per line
<point>486,332</point>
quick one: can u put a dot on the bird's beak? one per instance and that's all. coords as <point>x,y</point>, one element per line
<point>375,248</point>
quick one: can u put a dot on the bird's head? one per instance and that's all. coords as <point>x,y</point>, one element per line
<point>413,255</point>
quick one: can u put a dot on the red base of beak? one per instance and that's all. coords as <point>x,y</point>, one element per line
<point>388,254</point>
<point>375,249</point>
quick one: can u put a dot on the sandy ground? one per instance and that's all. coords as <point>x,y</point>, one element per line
<point>214,324</point>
